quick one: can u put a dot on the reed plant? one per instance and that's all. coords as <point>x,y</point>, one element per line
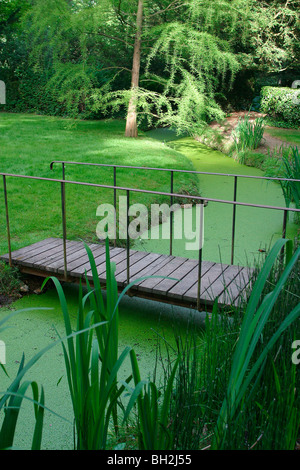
<point>291,170</point>
<point>237,387</point>
<point>93,362</point>
<point>253,350</point>
<point>204,355</point>
<point>153,409</point>
<point>247,136</point>
<point>92,359</point>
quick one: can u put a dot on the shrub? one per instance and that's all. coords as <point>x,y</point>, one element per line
<point>9,279</point>
<point>281,104</point>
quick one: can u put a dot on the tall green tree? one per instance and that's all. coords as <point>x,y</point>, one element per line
<point>169,61</point>
<point>184,60</point>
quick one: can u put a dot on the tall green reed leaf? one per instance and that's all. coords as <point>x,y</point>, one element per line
<point>12,410</point>
<point>153,417</point>
<point>248,134</point>
<point>256,317</point>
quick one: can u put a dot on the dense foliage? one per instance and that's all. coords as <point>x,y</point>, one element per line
<point>281,103</point>
<point>180,63</point>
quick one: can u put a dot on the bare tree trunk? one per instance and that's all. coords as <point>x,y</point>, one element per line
<point>131,122</point>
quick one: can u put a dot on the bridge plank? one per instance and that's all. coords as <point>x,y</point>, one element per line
<point>178,291</point>
<point>38,256</point>
<point>121,268</point>
<point>79,267</point>
<point>167,270</point>
<point>138,267</point>
<point>45,260</point>
<point>118,257</point>
<point>209,278</point>
<point>166,284</point>
<point>217,288</point>
<point>75,251</point>
<point>152,269</point>
<point>236,291</point>
<point>39,247</point>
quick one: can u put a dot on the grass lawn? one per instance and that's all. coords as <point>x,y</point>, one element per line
<point>28,143</point>
<point>289,135</point>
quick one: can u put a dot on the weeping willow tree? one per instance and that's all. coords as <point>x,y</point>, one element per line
<point>167,61</point>
<point>199,66</point>
<point>196,64</point>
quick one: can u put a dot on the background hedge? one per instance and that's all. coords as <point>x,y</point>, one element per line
<point>281,104</point>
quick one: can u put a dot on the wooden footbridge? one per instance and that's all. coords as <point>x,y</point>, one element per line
<point>226,282</point>
<point>177,280</point>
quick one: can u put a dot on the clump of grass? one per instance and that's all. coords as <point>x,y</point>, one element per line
<point>247,136</point>
<point>237,387</point>
<point>201,380</point>
<point>284,162</point>
<point>291,170</point>
<point>252,366</point>
<point>9,279</point>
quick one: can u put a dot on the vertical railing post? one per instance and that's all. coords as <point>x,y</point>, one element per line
<point>285,214</point>
<point>128,240</point>
<point>284,225</point>
<point>200,258</point>
<point>63,171</point>
<point>115,204</point>
<point>233,220</point>
<point>64,225</point>
<point>171,213</point>
<point>7,220</point>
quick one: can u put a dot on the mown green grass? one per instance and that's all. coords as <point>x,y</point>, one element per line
<point>28,143</point>
<point>288,135</point>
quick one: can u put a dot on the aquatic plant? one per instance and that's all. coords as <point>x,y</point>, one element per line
<point>224,397</point>
<point>94,390</point>
<point>12,399</point>
<point>153,416</point>
<point>93,362</point>
<point>247,135</point>
<point>245,374</point>
<point>291,170</point>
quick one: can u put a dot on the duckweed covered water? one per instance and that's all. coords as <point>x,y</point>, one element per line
<point>142,326</point>
<point>256,228</point>
<point>142,323</point>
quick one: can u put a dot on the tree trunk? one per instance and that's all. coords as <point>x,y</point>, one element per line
<point>131,122</point>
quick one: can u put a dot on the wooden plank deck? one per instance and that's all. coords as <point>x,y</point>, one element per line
<point>228,283</point>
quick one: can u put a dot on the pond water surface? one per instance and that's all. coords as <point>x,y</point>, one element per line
<point>256,228</point>
<point>142,323</point>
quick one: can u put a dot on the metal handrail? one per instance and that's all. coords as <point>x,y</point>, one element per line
<point>172,171</point>
<point>175,170</point>
<point>63,182</point>
<point>151,191</point>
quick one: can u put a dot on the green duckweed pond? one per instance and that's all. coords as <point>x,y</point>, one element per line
<point>143,325</point>
<point>256,228</point>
